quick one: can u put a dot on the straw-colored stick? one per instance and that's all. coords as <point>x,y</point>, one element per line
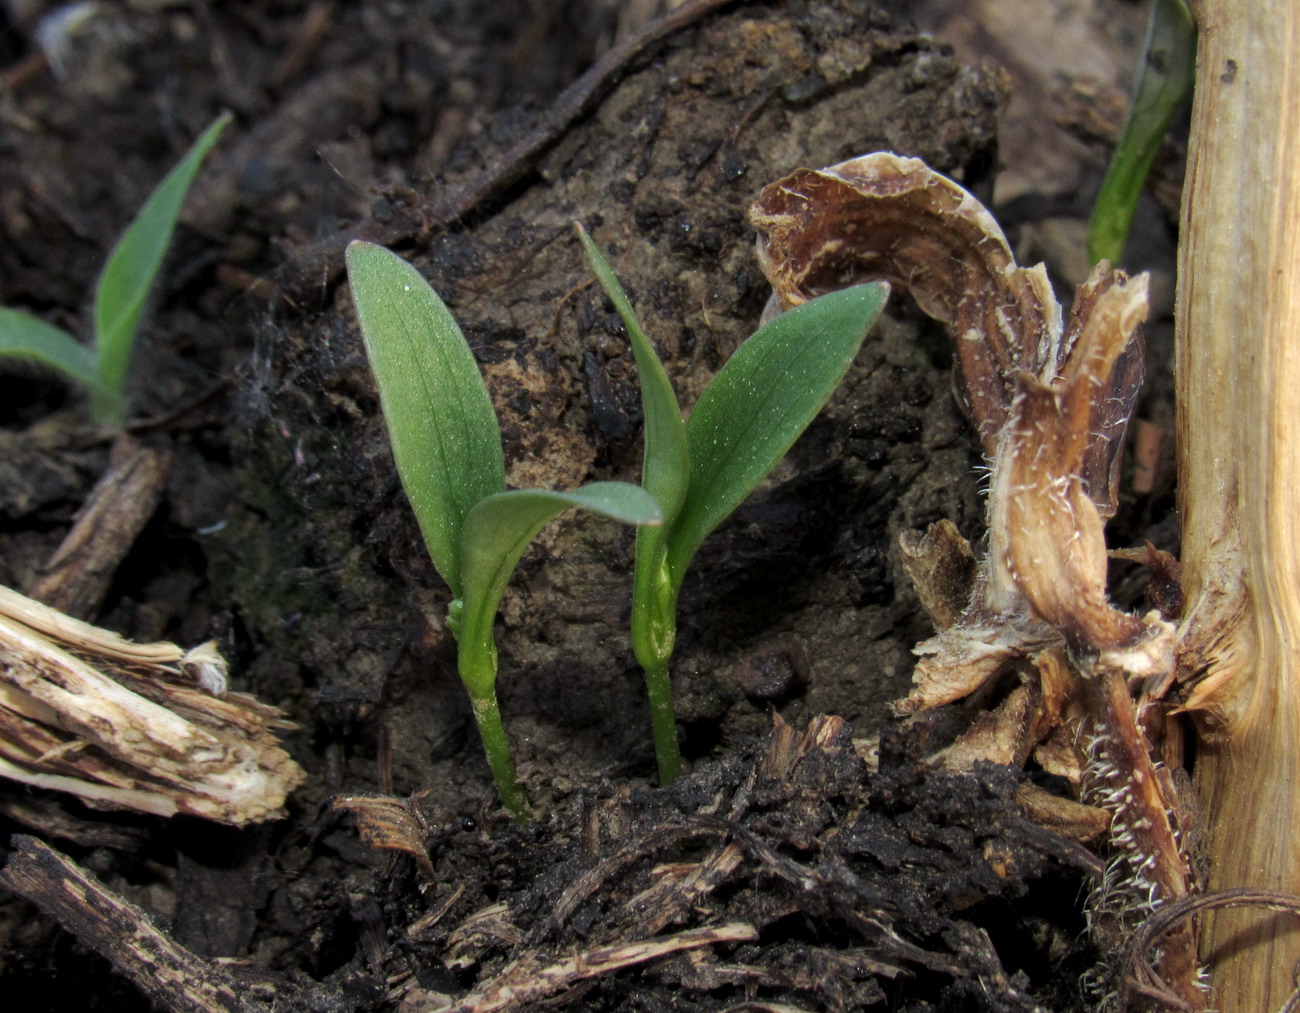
<point>1238,362</point>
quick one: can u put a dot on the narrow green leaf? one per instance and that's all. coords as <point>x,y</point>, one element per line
<point>765,396</point>
<point>1164,81</point>
<point>24,336</point>
<point>132,266</point>
<point>441,422</point>
<point>665,470</point>
<point>500,528</point>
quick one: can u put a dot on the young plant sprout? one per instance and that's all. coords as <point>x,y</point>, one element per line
<point>120,295</point>
<point>447,445</point>
<point>700,470</point>
<point>1162,86</point>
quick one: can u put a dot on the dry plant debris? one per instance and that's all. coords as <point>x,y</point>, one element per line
<point>789,868</point>
<point>144,727</point>
<point>1051,403</point>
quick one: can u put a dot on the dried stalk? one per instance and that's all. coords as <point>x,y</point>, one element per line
<point>1238,363</point>
<point>1051,404</point>
<point>146,727</point>
<point>174,978</point>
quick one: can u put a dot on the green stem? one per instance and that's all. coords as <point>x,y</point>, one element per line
<point>1164,80</point>
<point>654,633</point>
<point>497,747</point>
<point>477,662</point>
<point>663,721</point>
<point>108,406</point>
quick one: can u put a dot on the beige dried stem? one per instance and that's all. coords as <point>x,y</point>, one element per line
<point>1238,369</point>
<point>145,727</point>
<point>1051,404</point>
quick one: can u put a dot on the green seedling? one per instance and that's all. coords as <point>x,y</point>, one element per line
<point>1164,81</point>
<point>120,296</point>
<point>447,444</point>
<point>700,470</point>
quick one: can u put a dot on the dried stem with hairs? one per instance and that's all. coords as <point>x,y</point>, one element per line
<point>1051,404</point>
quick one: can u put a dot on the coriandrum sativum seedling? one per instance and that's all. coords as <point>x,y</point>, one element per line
<point>120,296</point>
<point>447,444</point>
<point>701,469</point>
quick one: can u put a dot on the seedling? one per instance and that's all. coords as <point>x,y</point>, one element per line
<point>120,296</point>
<point>447,444</point>
<point>700,470</point>
<point>1164,81</point>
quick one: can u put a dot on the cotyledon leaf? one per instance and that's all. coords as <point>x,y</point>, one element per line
<point>665,474</point>
<point>762,399</point>
<point>133,264</point>
<point>665,471</point>
<point>441,423</point>
<point>27,337</point>
<point>500,527</point>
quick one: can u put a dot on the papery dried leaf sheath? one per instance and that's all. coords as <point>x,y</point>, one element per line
<point>1051,405</point>
<point>1045,530</point>
<point>884,217</point>
<point>880,216</point>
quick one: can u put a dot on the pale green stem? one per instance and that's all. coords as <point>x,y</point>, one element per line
<point>108,406</point>
<point>497,747</point>
<point>663,721</point>
<point>477,662</point>
<point>654,633</point>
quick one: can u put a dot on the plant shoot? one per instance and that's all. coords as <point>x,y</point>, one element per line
<point>700,470</point>
<point>120,296</point>
<point>447,444</point>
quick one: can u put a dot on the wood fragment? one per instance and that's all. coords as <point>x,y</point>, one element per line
<point>76,577</point>
<point>169,974</point>
<point>134,726</point>
<point>420,929</point>
<point>526,980</point>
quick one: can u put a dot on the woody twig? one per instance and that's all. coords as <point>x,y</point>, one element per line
<point>144,727</point>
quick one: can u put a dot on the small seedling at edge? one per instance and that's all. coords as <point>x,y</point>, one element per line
<point>700,470</point>
<point>120,295</point>
<point>1164,82</point>
<point>447,444</point>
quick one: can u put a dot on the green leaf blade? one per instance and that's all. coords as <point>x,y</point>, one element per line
<point>133,265</point>
<point>760,402</point>
<point>27,337</point>
<point>501,527</point>
<point>441,423</point>
<point>665,470</point>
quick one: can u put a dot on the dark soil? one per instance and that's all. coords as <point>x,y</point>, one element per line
<point>283,531</point>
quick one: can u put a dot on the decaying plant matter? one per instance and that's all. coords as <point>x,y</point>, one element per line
<point>1051,404</point>
<point>145,727</point>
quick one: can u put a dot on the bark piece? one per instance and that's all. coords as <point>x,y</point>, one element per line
<point>166,972</point>
<point>77,576</point>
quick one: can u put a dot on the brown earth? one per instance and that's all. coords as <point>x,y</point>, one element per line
<point>283,532</point>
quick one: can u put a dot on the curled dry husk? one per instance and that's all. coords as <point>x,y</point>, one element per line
<point>145,727</point>
<point>1051,404</point>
